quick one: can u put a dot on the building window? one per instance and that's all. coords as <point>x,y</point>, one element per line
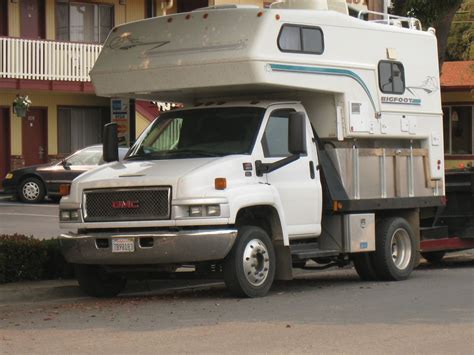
<point>391,77</point>
<point>79,127</point>
<point>83,22</point>
<point>275,138</point>
<point>458,125</point>
<point>301,39</point>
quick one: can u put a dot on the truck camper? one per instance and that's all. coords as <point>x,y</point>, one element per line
<point>307,134</point>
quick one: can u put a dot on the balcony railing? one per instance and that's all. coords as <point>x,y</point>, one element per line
<point>46,60</point>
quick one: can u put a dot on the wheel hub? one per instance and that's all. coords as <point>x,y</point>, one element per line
<point>31,190</point>
<point>401,248</point>
<point>256,262</point>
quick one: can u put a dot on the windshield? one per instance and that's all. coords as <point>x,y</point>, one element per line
<point>200,133</point>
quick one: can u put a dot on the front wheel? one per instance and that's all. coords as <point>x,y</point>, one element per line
<point>96,282</point>
<point>395,254</point>
<point>31,190</point>
<point>249,269</point>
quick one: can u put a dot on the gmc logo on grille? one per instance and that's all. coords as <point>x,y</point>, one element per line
<point>126,204</point>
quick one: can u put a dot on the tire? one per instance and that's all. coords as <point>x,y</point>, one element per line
<point>395,250</point>
<point>364,266</point>
<point>96,282</point>
<point>31,190</point>
<point>434,257</point>
<point>249,269</point>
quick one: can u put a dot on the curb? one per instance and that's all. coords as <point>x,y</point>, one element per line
<point>56,290</point>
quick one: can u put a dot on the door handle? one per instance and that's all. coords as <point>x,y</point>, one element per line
<point>41,152</point>
<point>312,173</point>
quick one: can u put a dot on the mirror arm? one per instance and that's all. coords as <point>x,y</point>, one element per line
<point>265,168</point>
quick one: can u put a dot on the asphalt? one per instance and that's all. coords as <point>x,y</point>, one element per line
<point>57,290</point>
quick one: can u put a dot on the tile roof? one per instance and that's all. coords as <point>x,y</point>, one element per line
<point>457,75</point>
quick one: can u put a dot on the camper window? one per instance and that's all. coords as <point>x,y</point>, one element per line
<point>391,77</point>
<point>301,39</point>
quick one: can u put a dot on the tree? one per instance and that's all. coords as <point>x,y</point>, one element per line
<point>432,13</point>
<point>461,37</point>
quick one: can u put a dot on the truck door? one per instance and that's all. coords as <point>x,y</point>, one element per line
<point>298,184</point>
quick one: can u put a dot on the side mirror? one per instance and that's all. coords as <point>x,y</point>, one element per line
<point>66,165</point>
<point>110,143</point>
<point>297,133</point>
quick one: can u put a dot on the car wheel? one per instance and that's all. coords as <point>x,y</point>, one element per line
<point>395,254</point>
<point>249,269</point>
<point>94,281</point>
<point>434,257</point>
<point>31,190</point>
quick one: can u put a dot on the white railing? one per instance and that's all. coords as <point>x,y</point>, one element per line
<point>46,60</point>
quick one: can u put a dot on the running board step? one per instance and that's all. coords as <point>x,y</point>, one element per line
<point>306,251</point>
<point>434,232</point>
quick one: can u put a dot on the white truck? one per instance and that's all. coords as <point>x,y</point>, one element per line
<point>307,134</point>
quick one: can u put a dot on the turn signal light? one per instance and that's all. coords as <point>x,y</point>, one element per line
<point>64,189</point>
<point>336,206</point>
<point>220,183</point>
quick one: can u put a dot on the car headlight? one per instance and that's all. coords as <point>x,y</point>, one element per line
<point>69,215</point>
<point>204,211</point>
<point>9,176</point>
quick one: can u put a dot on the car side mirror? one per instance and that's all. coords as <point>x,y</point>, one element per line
<point>297,133</point>
<point>66,165</point>
<point>110,143</point>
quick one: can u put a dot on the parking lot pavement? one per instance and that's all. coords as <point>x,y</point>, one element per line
<point>38,220</point>
<point>318,312</point>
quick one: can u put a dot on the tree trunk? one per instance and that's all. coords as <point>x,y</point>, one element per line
<point>443,26</point>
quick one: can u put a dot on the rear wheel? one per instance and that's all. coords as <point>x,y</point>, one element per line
<point>249,269</point>
<point>31,190</point>
<point>96,282</point>
<point>434,257</point>
<point>395,254</point>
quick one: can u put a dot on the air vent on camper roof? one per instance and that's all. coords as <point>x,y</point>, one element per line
<point>226,6</point>
<point>334,5</point>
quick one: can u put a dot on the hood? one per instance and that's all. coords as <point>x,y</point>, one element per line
<point>193,177</point>
<point>139,173</point>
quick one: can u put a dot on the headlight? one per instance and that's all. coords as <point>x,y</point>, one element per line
<point>204,210</point>
<point>69,215</point>
<point>9,176</point>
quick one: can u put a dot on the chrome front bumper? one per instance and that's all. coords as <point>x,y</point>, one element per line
<point>185,246</point>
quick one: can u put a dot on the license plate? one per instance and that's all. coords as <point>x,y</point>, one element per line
<point>123,245</point>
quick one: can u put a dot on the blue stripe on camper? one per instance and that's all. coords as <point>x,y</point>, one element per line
<point>324,71</point>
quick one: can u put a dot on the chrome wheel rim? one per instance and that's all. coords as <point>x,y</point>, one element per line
<point>31,191</point>
<point>256,262</point>
<point>401,248</point>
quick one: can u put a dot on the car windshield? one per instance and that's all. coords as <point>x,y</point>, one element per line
<point>87,156</point>
<point>200,133</point>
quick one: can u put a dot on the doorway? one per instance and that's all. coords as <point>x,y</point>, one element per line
<point>4,141</point>
<point>190,5</point>
<point>32,19</point>
<point>35,137</point>
<point>3,18</point>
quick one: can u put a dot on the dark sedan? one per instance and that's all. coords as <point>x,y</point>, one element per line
<point>33,183</point>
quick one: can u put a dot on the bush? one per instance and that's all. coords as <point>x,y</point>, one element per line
<point>24,258</point>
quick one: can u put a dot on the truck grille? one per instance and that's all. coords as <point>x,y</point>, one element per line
<point>134,204</point>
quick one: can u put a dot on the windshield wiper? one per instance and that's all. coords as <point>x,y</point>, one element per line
<point>165,153</point>
<point>204,153</point>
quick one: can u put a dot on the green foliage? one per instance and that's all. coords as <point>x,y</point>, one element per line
<point>24,258</point>
<point>461,37</point>
<point>428,11</point>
